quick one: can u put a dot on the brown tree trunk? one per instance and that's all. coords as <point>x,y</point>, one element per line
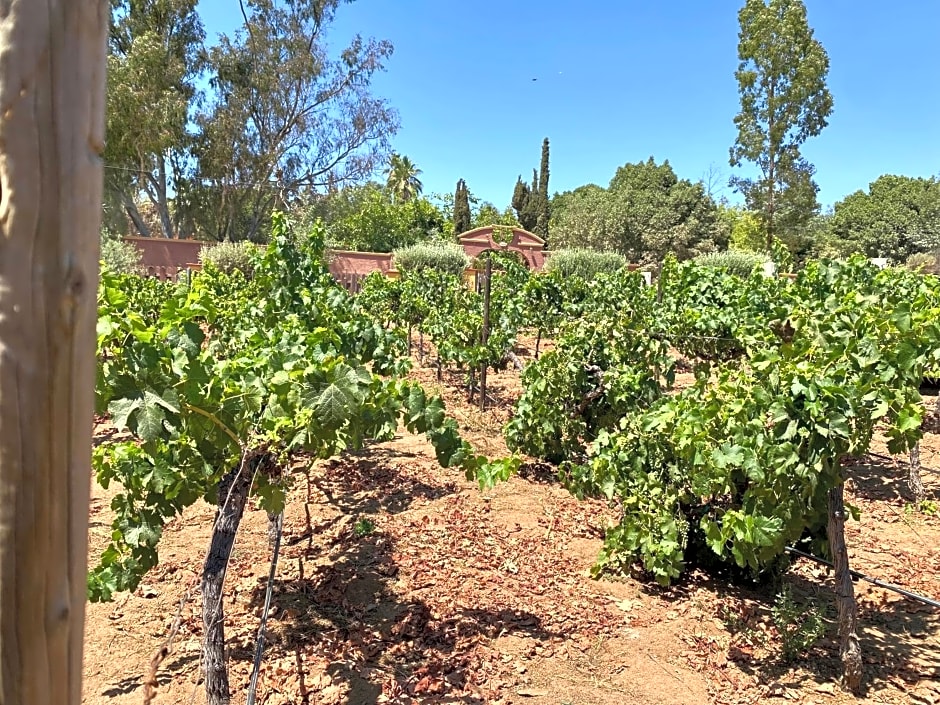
<point>233,496</point>
<point>52,78</point>
<point>131,209</point>
<point>849,648</point>
<point>158,197</point>
<point>914,481</point>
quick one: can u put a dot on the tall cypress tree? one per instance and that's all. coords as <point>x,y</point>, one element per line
<point>461,208</point>
<point>544,206</point>
<point>531,202</point>
<point>521,196</point>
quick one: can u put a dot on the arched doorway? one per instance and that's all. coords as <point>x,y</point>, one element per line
<point>529,246</point>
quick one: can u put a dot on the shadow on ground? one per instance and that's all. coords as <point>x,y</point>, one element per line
<point>346,610</point>
<point>899,638</point>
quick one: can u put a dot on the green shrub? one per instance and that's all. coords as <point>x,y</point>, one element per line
<point>799,624</point>
<point>443,256</point>
<point>585,264</point>
<point>737,262</point>
<point>119,256</point>
<point>229,256</point>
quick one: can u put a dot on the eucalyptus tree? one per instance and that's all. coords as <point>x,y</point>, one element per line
<point>155,56</point>
<point>283,117</point>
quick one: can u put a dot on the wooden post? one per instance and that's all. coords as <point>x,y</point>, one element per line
<point>914,481</point>
<point>52,86</point>
<point>487,279</point>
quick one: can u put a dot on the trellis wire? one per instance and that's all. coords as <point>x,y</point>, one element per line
<point>861,576</point>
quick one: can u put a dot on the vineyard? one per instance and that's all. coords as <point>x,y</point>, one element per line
<point>540,489</point>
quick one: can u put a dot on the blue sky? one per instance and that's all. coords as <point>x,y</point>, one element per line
<point>620,81</point>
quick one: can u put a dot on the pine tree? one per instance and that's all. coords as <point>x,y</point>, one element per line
<point>461,208</point>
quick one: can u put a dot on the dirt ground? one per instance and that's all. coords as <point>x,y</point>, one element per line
<point>401,582</point>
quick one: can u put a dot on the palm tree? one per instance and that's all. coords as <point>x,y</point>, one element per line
<point>402,178</point>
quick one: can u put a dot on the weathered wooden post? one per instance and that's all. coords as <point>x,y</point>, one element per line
<point>52,84</point>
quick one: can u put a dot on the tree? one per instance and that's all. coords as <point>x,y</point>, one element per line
<point>52,84</point>
<point>531,203</point>
<point>155,56</point>
<point>402,178</point>
<point>488,214</point>
<point>744,228</point>
<point>461,208</point>
<point>579,219</point>
<point>283,118</point>
<point>784,101</point>
<point>367,218</point>
<point>544,204</point>
<point>897,217</point>
<point>645,213</point>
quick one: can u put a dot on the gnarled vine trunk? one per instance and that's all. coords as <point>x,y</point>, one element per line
<point>233,496</point>
<point>849,648</point>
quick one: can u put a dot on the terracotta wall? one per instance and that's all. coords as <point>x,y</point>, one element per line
<point>168,259</point>
<point>163,252</point>
<point>345,262</point>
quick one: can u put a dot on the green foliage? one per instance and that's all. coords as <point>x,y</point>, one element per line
<point>285,115</point>
<point>740,465</point>
<point>444,257</point>
<point>710,313</point>
<point>118,256</point>
<point>229,257</point>
<point>645,213</point>
<point>604,365</point>
<point>585,264</point>
<point>368,219</point>
<point>746,229</point>
<point>544,203</point>
<point>784,101</point>
<point>897,217</point>
<point>799,624</point>
<point>155,54</point>
<point>363,528</point>
<point>216,376</point>
<point>488,214</point>
<point>738,263</point>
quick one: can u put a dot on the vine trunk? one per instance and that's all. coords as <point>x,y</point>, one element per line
<point>233,496</point>
<point>849,648</point>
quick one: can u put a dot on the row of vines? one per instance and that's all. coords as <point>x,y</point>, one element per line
<point>223,385</point>
<point>791,378</point>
